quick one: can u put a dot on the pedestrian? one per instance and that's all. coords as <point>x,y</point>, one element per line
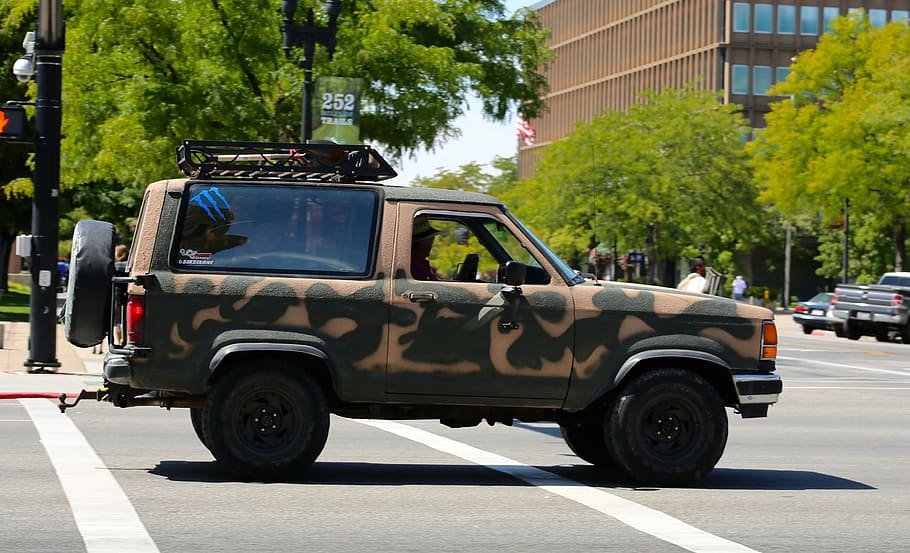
<point>121,253</point>
<point>695,281</point>
<point>739,288</point>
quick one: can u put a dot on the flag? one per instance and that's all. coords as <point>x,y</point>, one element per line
<point>525,131</point>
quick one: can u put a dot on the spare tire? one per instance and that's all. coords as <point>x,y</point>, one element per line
<point>88,292</point>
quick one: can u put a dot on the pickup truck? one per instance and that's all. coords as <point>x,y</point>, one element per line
<point>282,283</point>
<point>879,310</point>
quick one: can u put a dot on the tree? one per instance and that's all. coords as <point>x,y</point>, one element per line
<point>15,191</point>
<point>844,134</point>
<point>651,178</point>
<point>141,76</point>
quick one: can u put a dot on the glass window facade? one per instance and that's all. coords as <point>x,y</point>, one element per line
<point>897,15</point>
<point>786,20</point>
<point>764,18</point>
<point>830,14</point>
<point>782,73</point>
<point>741,17</point>
<point>808,20</point>
<point>878,18</point>
<point>740,79</point>
<point>761,80</point>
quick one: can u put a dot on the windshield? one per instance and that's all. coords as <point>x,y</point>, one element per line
<point>565,271</point>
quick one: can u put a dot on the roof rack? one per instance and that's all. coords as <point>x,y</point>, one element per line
<point>327,162</point>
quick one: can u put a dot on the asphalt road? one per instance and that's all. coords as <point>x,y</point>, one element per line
<point>827,471</point>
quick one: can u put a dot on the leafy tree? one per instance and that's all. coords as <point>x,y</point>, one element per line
<point>844,134</point>
<point>15,190</point>
<point>653,177</point>
<point>141,76</point>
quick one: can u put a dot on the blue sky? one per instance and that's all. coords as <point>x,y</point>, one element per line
<point>480,141</point>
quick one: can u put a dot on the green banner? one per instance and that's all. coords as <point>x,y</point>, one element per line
<point>336,109</point>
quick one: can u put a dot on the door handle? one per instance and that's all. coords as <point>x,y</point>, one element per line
<point>420,297</point>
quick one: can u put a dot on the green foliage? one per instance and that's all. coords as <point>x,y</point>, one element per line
<point>844,134</point>
<point>667,164</point>
<point>14,303</point>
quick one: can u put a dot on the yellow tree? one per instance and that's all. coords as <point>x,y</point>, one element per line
<point>843,135</point>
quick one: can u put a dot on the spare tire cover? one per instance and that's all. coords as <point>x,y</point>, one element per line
<point>88,292</point>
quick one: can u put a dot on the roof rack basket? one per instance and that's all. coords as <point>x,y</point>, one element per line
<point>327,162</point>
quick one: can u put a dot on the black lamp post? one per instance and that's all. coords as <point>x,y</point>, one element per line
<point>308,36</point>
<point>49,45</point>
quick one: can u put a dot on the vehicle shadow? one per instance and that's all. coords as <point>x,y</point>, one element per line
<point>334,473</point>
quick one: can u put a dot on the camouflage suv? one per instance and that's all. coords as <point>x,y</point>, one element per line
<point>279,283</point>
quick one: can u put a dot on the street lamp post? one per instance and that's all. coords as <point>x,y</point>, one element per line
<point>308,36</point>
<point>49,45</point>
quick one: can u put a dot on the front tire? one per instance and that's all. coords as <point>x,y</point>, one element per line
<point>198,424</point>
<point>266,423</point>
<point>668,427</point>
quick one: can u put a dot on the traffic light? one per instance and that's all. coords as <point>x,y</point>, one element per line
<point>12,121</point>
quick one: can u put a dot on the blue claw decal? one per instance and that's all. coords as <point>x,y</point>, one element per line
<point>208,200</point>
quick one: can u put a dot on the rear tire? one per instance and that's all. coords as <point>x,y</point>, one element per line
<point>668,427</point>
<point>586,440</point>
<point>266,423</point>
<point>807,330</point>
<point>850,331</point>
<point>88,291</point>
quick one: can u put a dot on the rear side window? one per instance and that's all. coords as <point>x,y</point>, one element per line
<point>229,227</point>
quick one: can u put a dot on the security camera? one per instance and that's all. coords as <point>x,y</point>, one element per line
<point>24,69</point>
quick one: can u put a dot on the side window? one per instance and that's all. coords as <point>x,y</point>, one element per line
<point>470,248</point>
<point>276,229</point>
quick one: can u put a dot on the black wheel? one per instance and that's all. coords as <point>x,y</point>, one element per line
<point>668,427</point>
<point>586,439</point>
<point>839,331</point>
<point>197,422</point>
<point>266,423</point>
<point>905,334</point>
<point>88,292</point>
<point>851,331</point>
<point>882,336</point>
<point>807,330</point>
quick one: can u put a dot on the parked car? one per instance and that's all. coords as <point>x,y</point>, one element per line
<point>813,313</point>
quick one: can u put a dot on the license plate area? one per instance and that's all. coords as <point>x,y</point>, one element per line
<point>863,316</point>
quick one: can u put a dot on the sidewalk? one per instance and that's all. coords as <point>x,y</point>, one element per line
<point>79,367</point>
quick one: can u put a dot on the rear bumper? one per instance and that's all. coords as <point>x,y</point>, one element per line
<point>117,368</point>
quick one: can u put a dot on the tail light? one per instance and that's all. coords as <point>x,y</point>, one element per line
<point>897,300</point>
<point>800,309</point>
<point>768,340</point>
<point>135,320</point>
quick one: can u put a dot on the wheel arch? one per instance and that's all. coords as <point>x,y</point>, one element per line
<point>707,365</point>
<point>303,356</point>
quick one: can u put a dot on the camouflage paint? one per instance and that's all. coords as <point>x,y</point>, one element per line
<point>385,348</point>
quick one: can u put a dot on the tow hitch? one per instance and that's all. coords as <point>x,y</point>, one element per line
<point>98,395</point>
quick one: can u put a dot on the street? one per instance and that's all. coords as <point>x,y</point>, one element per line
<point>828,470</point>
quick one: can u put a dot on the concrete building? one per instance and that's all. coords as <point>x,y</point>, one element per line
<point>608,51</point>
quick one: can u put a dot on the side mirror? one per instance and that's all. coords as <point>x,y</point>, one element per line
<point>514,273</point>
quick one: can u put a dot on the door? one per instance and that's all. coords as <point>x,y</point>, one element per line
<point>456,329</point>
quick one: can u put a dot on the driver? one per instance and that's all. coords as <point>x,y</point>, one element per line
<point>422,237</point>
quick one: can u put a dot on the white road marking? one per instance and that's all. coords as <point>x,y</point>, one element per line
<point>842,366</point>
<point>103,514</point>
<point>639,517</point>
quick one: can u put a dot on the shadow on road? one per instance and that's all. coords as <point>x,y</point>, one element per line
<point>386,474</point>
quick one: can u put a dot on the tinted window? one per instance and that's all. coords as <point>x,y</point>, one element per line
<point>786,20</point>
<point>741,17</point>
<point>761,79</point>
<point>740,83</point>
<point>277,229</point>
<point>830,14</point>
<point>764,15</point>
<point>808,20</point>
